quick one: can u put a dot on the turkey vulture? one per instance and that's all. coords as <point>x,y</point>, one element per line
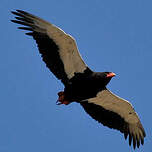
<point>60,54</point>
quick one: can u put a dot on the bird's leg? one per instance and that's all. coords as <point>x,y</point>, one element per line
<point>62,99</point>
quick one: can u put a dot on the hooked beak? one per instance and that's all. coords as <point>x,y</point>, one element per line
<point>110,75</point>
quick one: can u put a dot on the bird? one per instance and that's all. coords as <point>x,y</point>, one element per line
<point>60,53</point>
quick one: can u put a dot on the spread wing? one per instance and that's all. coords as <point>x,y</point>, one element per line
<point>116,113</point>
<point>58,49</point>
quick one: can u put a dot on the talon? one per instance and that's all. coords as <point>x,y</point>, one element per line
<point>58,102</point>
<point>61,99</point>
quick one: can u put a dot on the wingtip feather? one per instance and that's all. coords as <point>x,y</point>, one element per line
<point>130,139</point>
<point>25,28</point>
<point>142,141</point>
<point>21,11</point>
<point>125,135</point>
<point>134,141</point>
<point>29,34</point>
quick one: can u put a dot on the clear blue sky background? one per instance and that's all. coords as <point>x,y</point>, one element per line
<point>112,35</point>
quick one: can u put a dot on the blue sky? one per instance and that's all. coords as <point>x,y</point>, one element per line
<point>111,36</point>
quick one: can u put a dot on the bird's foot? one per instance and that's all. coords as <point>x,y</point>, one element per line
<point>61,99</point>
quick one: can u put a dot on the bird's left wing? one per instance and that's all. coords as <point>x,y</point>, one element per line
<point>59,50</point>
<point>116,113</point>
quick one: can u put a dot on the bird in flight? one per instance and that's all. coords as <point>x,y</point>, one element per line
<point>82,85</point>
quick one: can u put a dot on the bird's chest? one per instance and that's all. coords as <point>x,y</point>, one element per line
<point>81,89</point>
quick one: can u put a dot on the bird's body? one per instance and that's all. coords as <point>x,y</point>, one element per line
<point>60,53</point>
<point>85,85</point>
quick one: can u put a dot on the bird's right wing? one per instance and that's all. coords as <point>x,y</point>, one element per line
<point>116,113</point>
<point>59,50</point>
